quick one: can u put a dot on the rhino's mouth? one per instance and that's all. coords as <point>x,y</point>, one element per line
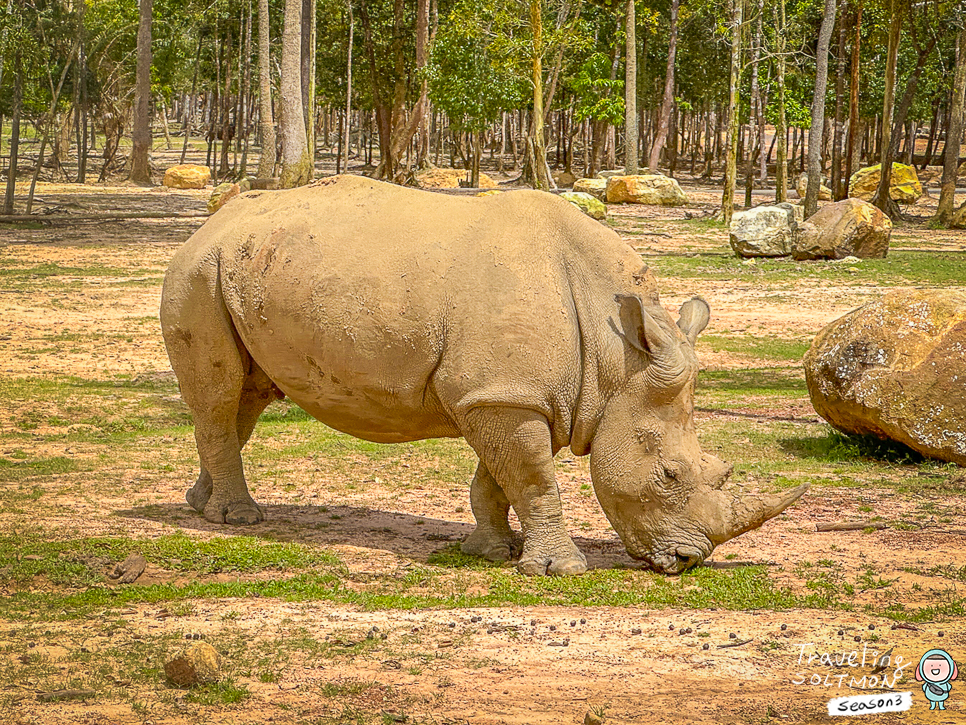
<point>673,560</point>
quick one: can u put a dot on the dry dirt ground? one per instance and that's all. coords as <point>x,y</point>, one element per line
<point>89,312</point>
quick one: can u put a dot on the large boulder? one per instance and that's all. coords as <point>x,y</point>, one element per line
<point>449,179</point>
<point>801,186</point>
<point>589,205</point>
<point>765,231</point>
<point>645,189</point>
<point>896,368</point>
<point>187,176</point>
<point>597,188</point>
<point>847,228</point>
<point>904,186</point>
<point>222,194</point>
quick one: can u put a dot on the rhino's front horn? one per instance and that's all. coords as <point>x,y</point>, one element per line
<point>752,510</point>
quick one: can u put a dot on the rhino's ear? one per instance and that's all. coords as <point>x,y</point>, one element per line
<point>694,317</point>
<point>640,328</point>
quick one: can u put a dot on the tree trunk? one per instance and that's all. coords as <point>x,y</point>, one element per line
<point>308,77</point>
<point>853,149</point>
<point>755,110</point>
<point>266,119</point>
<point>141,133</point>
<point>246,81</point>
<point>348,89</point>
<point>954,135</point>
<point>882,197</point>
<point>728,197</point>
<point>815,133</point>
<point>836,176</point>
<point>667,101</point>
<point>296,164</point>
<point>630,90</point>
<point>14,134</point>
<point>536,171</point>
<point>189,112</point>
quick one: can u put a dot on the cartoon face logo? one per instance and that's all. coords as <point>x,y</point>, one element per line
<point>936,671</point>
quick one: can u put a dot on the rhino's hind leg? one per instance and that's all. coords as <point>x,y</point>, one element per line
<point>493,539</point>
<point>222,387</point>
<point>515,447</point>
<point>257,392</point>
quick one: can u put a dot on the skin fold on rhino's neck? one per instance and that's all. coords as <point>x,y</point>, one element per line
<point>602,368</point>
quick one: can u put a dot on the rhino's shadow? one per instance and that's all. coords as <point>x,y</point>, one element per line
<point>412,537</point>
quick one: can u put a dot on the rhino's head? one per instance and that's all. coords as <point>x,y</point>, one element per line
<point>659,490</point>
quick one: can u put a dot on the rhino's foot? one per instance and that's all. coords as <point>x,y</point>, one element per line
<point>492,546</point>
<point>244,513</point>
<point>198,495</point>
<point>568,561</point>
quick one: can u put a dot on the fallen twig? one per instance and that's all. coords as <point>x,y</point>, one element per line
<point>735,644</point>
<point>846,526</point>
<point>65,695</point>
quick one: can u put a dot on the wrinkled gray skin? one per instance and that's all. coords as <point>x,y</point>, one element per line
<point>513,321</point>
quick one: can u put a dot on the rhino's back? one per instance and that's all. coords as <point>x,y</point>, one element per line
<point>387,312</point>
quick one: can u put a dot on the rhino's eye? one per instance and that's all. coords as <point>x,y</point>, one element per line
<point>671,472</point>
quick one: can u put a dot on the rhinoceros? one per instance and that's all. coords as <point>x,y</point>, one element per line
<point>513,321</point>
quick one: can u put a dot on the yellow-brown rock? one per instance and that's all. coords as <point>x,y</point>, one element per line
<point>847,228</point>
<point>959,218</point>
<point>801,186</point>
<point>597,188</point>
<point>197,664</point>
<point>187,176</point>
<point>904,186</point>
<point>645,189</point>
<point>896,368</point>
<point>449,179</point>
<point>222,194</point>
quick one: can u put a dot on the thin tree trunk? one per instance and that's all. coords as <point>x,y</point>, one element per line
<point>348,88</point>
<point>755,110</point>
<point>537,171</point>
<point>309,8</point>
<point>815,133</point>
<point>954,135</point>
<point>8,200</point>
<point>141,134</point>
<point>630,90</point>
<point>838,192</point>
<point>266,119</point>
<point>883,198</point>
<point>246,82</point>
<point>728,196</point>
<point>190,112</point>
<point>667,101</point>
<point>854,123</point>
<point>296,164</point>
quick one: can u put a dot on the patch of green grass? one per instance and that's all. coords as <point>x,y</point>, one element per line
<point>70,562</point>
<point>765,348</point>
<point>225,692</point>
<point>25,470</point>
<point>836,446</point>
<point>927,269</point>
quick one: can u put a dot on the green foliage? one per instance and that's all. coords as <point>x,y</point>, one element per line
<point>472,74</point>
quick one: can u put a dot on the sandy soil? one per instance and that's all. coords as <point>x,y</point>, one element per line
<point>441,666</point>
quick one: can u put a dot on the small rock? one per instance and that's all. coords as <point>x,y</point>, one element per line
<point>197,664</point>
<point>784,627</point>
<point>871,626</point>
<point>129,570</point>
<point>857,638</point>
<point>187,176</point>
<point>573,622</point>
<point>940,634</point>
<point>706,646</point>
<point>593,718</point>
<point>841,633</point>
<point>636,631</point>
<point>583,621</point>
<point>732,636</point>
<point>222,194</point>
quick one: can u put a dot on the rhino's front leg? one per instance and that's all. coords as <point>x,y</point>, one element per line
<point>493,538</point>
<point>514,445</point>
